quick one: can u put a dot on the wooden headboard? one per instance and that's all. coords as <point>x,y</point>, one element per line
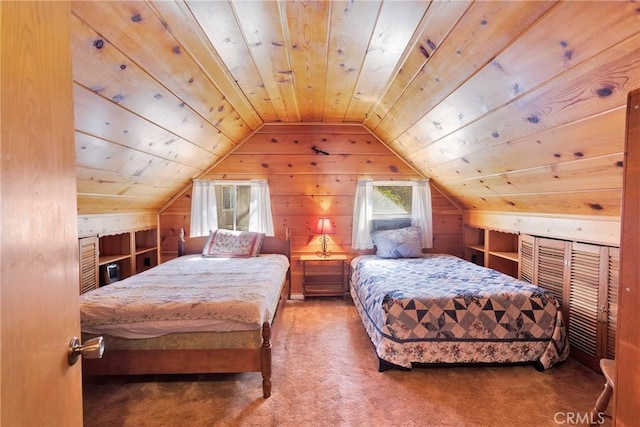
<point>270,245</point>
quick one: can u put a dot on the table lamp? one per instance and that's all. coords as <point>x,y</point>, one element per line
<point>324,227</point>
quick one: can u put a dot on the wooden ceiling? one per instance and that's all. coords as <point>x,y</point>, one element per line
<point>505,105</point>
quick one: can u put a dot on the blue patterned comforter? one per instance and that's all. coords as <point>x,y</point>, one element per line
<point>443,309</point>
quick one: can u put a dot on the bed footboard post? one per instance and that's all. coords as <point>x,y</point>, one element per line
<point>265,362</point>
<point>181,242</point>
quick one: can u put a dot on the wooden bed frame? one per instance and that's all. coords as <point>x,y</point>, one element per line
<point>197,361</point>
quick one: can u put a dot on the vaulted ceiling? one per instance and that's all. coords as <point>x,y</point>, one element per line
<point>505,105</point>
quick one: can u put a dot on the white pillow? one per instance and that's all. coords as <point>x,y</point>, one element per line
<point>233,244</point>
<point>398,243</point>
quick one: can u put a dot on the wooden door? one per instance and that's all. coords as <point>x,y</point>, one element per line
<point>588,302</point>
<point>626,401</point>
<point>526,252</point>
<point>38,229</point>
<point>551,270</point>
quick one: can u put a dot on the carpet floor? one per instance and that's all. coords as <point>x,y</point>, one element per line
<point>325,374</point>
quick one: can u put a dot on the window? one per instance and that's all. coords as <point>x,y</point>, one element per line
<point>387,200</point>
<point>392,201</point>
<point>228,196</point>
<point>231,205</point>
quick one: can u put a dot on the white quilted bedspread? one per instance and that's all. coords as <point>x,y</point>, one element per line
<point>187,294</point>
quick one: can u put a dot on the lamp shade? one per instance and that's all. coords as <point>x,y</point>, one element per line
<point>324,226</point>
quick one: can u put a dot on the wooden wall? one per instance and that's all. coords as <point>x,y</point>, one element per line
<point>305,185</point>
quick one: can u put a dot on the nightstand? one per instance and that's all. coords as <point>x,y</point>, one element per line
<point>323,276</point>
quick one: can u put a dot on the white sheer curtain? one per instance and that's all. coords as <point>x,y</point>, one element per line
<point>260,216</point>
<point>362,215</point>
<point>204,212</point>
<point>421,215</point>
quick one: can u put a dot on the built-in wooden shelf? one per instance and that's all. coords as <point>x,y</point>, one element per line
<point>133,252</point>
<point>492,248</point>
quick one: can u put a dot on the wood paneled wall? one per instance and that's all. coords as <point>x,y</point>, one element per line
<point>305,185</point>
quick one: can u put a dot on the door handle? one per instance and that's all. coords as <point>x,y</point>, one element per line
<point>91,349</point>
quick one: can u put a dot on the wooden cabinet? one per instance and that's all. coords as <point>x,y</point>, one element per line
<point>323,277</point>
<point>123,254</point>
<point>88,263</point>
<point>491,248</point>
<point>584,278</point>
<point>544,262</point>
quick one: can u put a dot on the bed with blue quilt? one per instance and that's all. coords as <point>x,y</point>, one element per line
<point>440,309</point>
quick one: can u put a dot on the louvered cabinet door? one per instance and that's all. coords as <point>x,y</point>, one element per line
<point>552,269</point>
<point>527,252</point>
<point>587,327</point>
<point>611,303</point>
<point>88,263</point>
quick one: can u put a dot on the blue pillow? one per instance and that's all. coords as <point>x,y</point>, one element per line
<point>400,243</point>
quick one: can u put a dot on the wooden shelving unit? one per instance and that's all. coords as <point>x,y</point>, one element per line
<point>491,248</point>
<point>502,252</point>
<point>115,249</point>
<point>474,245</point>
<point>132,252</point>
<point>146,249</point>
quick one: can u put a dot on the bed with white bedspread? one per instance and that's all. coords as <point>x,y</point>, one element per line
<point>214,309</point>
<point>188,294</point>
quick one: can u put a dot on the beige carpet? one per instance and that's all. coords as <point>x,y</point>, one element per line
<point>325,374</point>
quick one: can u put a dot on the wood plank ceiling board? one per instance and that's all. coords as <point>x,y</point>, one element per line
<point>346,53</point>
<point>115,184</point>
<point>218,22</point>
<point>397,22</point>
<point>314,128</point>
<point>597,136</point>
<point>179,20</point>
<point>563,42</point>
<point>101,68</point>
<point>484,31</point>
<point>604,203</point>
<point>263,27</point>
<point>102,156</point>
<point>134,28</point>
<point>104,119</point>
<point>598,173</point>
<point>307,37</point>
<point>595,86</point>
<point>440,19</point>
